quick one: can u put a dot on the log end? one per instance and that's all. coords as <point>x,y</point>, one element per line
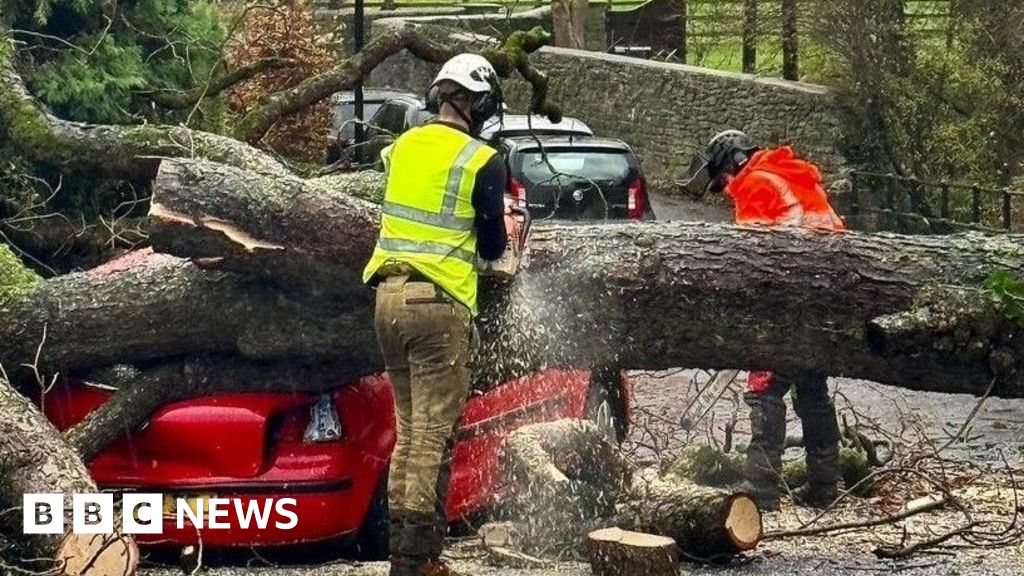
<point>98,555</point>
<point>743,523</point>
<point>618,552</point>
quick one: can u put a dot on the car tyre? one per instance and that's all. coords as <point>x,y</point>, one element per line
<point>372,541</point>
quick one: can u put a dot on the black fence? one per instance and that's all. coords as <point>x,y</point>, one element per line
<point>901,204</point>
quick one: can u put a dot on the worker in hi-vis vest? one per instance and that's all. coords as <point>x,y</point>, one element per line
<point>443,208</point>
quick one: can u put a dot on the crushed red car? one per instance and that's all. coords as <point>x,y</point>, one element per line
<point>254,446</point>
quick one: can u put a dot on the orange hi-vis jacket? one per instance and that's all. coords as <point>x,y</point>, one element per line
<point>776,188</point>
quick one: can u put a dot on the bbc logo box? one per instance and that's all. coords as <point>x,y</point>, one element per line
<point>145,513</point>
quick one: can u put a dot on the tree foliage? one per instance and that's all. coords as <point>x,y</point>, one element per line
<point>284,30</point>
<point>89,59</point>
<point>945,102</point>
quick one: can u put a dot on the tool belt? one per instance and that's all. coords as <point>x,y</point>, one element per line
<point>402,272</point>
<point>399,269</point>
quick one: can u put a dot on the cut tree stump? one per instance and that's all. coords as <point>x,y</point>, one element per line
<point>618,552</point>
<point>98,555</point>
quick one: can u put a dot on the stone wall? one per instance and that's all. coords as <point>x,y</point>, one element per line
<point>667,112</point>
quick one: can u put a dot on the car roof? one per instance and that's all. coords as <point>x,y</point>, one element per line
<point>537,122</point>
<point>374,95</point>
<point>523,143</point>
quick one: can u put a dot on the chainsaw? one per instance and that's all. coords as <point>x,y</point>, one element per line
<point>514,257</point>
<point>706,398</point>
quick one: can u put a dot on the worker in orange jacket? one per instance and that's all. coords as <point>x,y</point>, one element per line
<point>773,187</point>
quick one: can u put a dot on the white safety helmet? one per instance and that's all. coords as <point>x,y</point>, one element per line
<point>471,71</point>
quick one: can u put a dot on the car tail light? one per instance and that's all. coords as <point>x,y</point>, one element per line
<point>637,200</point>
<point>324,424</point>
<point>517,191</point>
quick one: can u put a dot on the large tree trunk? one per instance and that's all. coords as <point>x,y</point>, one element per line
<point>148,306</point>
<point>652,296</point>
<point>569,20</point>
<point>34,459</point>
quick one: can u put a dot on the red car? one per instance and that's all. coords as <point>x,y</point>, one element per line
<point>254,446</point>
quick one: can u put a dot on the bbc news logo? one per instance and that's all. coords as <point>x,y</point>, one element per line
<point>146,513</point>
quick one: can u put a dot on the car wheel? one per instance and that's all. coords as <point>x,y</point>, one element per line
<point>605,404</point>
<point>372,541</point>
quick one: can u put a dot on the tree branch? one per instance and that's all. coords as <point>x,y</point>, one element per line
<point>129,152</point>
<point>511,56</point>
<point>181,100</point>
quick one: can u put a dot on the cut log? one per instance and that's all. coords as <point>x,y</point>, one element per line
<point>566,470</point>
<point>34,459</point>
<point>706,523</point>
<point>617,552</point>
<point>646,296</point>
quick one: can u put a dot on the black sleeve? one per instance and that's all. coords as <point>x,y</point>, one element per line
<point>489,203</point>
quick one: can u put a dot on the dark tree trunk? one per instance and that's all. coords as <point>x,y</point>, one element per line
<point>148,306</point>
<point>790,40</point>
<point>34,459</point>
<point>648,297</point>
<point>750,36</point>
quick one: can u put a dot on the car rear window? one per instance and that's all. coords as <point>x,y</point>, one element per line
<point>597,165</point>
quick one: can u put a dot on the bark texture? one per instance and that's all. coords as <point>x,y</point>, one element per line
<point>569,20</point>
<point>646,296</point>
<point>34,459</point>
<point>568,476</point>
<point>146,307</point>
<point>705,522</point>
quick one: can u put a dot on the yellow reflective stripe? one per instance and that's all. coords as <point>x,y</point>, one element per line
<point>423,247</point>
<point>446,221</point>
<point>451,193</point>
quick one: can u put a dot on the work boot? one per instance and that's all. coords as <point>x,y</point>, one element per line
<point>823,475</point>
<point>763,464</point>
<point>817,415</point>
<point>396,530</point>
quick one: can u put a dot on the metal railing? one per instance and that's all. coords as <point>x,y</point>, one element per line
<point>941,205</point>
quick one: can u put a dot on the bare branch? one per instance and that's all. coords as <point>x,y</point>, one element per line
<point>180,100</point>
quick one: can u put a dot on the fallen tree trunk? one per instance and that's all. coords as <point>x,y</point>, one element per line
<point>705,522</point>
<point>34,459</point>
<point>646,296</point>
<point>148,306</point>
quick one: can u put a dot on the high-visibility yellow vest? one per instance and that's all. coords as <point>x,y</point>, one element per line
<point>427,219</point>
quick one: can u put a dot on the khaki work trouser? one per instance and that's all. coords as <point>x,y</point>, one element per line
<point>426,339</point>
